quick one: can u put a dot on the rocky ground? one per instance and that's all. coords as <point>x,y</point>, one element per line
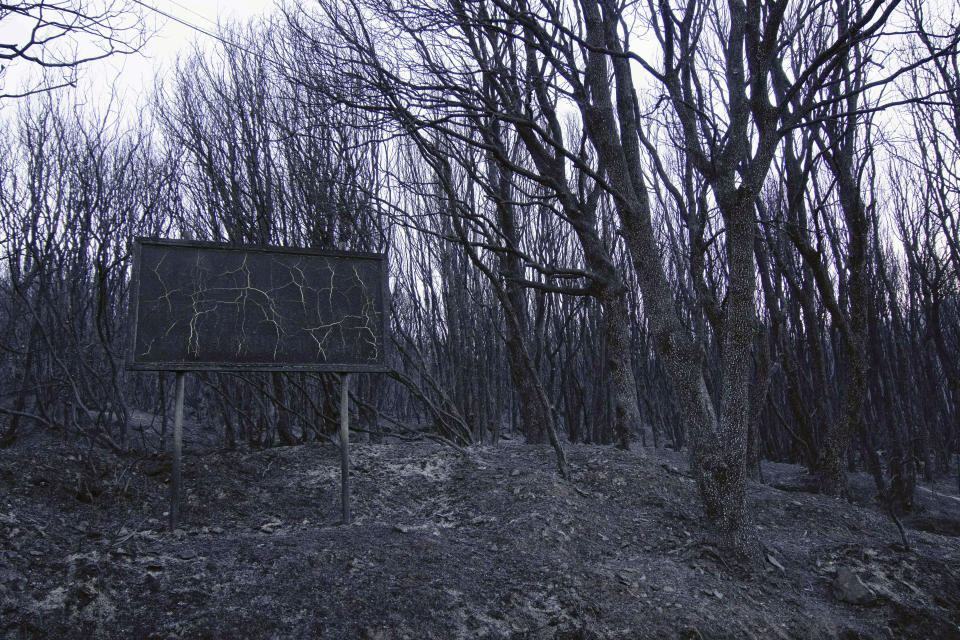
<point>488,545</point>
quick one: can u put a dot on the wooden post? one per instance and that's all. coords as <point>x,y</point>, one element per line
<point>177,445</point>
<point>345,445</point>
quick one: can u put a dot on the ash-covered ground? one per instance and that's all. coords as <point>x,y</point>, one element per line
<point>488,545</point>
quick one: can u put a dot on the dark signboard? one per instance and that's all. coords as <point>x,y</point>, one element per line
<point>200,305</point>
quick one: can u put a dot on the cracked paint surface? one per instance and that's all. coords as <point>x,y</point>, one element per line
<point>206,305</point>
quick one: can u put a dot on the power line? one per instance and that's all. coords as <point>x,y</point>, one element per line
<point>203,31</point>
<point>199,15</point>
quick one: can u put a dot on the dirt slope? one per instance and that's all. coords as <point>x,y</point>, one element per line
<point>492,545</point>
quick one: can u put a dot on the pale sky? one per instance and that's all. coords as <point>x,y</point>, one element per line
<point>132,77</point>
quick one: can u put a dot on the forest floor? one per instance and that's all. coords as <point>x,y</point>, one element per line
<point>488,545</point>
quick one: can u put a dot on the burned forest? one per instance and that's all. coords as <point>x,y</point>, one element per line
<point>553,319</point>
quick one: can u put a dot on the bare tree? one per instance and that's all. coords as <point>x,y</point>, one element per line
<point>76,191</point>
<point>54,38</point>
<point>717,68</point>
<point>525,147</point>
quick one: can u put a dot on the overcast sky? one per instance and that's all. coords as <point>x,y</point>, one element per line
<point>131,78</point>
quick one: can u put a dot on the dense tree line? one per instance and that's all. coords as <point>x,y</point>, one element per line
<point>725,227</point>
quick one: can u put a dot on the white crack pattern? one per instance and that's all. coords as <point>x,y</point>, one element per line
<point>200,304</point>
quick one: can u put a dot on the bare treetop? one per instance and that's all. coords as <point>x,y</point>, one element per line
<point>55,37</point>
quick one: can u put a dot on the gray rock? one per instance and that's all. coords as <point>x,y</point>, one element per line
<point>186,554</point>
<point>847,587</point>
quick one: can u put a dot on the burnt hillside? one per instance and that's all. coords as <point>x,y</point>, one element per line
<point>488,545</point>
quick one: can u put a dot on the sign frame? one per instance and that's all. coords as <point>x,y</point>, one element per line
<point>180,368</point>
<point>134,299</point>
